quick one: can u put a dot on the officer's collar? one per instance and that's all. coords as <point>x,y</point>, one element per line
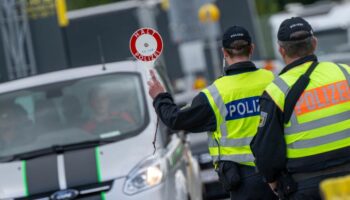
<point>298,62</point>
<point>240,67</point>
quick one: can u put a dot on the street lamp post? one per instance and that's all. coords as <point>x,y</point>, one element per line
<point>61,10</point>
<point>209,15</point>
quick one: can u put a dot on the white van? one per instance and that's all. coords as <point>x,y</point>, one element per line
<point>87,133</point>
<point>331,25</point>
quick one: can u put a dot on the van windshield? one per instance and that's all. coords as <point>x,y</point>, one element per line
<point>96,108</point>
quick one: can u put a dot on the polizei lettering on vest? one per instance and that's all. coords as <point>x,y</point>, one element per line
<point>242,108</point>
<point>323,97</point>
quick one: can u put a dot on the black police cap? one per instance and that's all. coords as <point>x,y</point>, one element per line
<point>293,25</point>
<point>235,33</point>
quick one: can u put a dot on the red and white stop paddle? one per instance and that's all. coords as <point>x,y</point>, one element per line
<point>146,44</point>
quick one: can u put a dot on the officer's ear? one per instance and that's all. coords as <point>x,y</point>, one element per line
<point>282,51</point>
<point>226,55</point>
<point>314,42</point>
<point>252,49</point>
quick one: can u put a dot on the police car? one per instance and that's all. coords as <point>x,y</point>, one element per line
<point>87,133</point>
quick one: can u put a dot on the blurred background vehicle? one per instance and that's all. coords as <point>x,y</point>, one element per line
<point>331,23</point>
<point>94,126</point>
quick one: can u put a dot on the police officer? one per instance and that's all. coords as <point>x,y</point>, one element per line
<point>304,134</point>
<point>229,110</point>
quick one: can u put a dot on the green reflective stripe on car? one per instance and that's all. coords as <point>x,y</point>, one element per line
<point>103,196</point>
<point>24,176</point>
<point>98,164</point>
<point>98,167</point>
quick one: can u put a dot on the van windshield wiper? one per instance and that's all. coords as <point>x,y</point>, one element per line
<point>54,149</point>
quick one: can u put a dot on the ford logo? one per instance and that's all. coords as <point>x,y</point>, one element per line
<point>65,195</point>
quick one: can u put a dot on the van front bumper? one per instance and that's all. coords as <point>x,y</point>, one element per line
<point>159,192</point>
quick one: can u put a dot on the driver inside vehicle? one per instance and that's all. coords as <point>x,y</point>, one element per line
<point>10,133</point>
<point>103,118</point>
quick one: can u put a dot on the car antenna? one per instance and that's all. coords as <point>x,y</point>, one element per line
<point>101,53</point>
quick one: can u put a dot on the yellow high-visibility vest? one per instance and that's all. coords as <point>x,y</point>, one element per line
<point>320,121</point>
<point>235,103</point>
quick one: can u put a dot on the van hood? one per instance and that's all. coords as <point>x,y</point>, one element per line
<point>73,169</point>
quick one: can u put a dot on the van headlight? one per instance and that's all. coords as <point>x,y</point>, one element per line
<point>147,175</point>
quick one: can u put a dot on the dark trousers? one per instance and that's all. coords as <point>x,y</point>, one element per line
<point>309,189</point>
<point>252,186</point>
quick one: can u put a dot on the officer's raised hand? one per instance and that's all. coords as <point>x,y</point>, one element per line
<point>155,87</point>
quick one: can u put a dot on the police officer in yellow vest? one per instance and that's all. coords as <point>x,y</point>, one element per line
<point>229,110</point>
<point>304,134</point>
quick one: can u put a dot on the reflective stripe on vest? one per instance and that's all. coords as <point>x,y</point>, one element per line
<point>247,158</point>
<point>224,141</point>
<point>221,106</point>
<point>321,119</point>
<point>229,141</point>
<point>345,72</point>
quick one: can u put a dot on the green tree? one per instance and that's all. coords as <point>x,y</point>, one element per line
<point>268,7</point>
